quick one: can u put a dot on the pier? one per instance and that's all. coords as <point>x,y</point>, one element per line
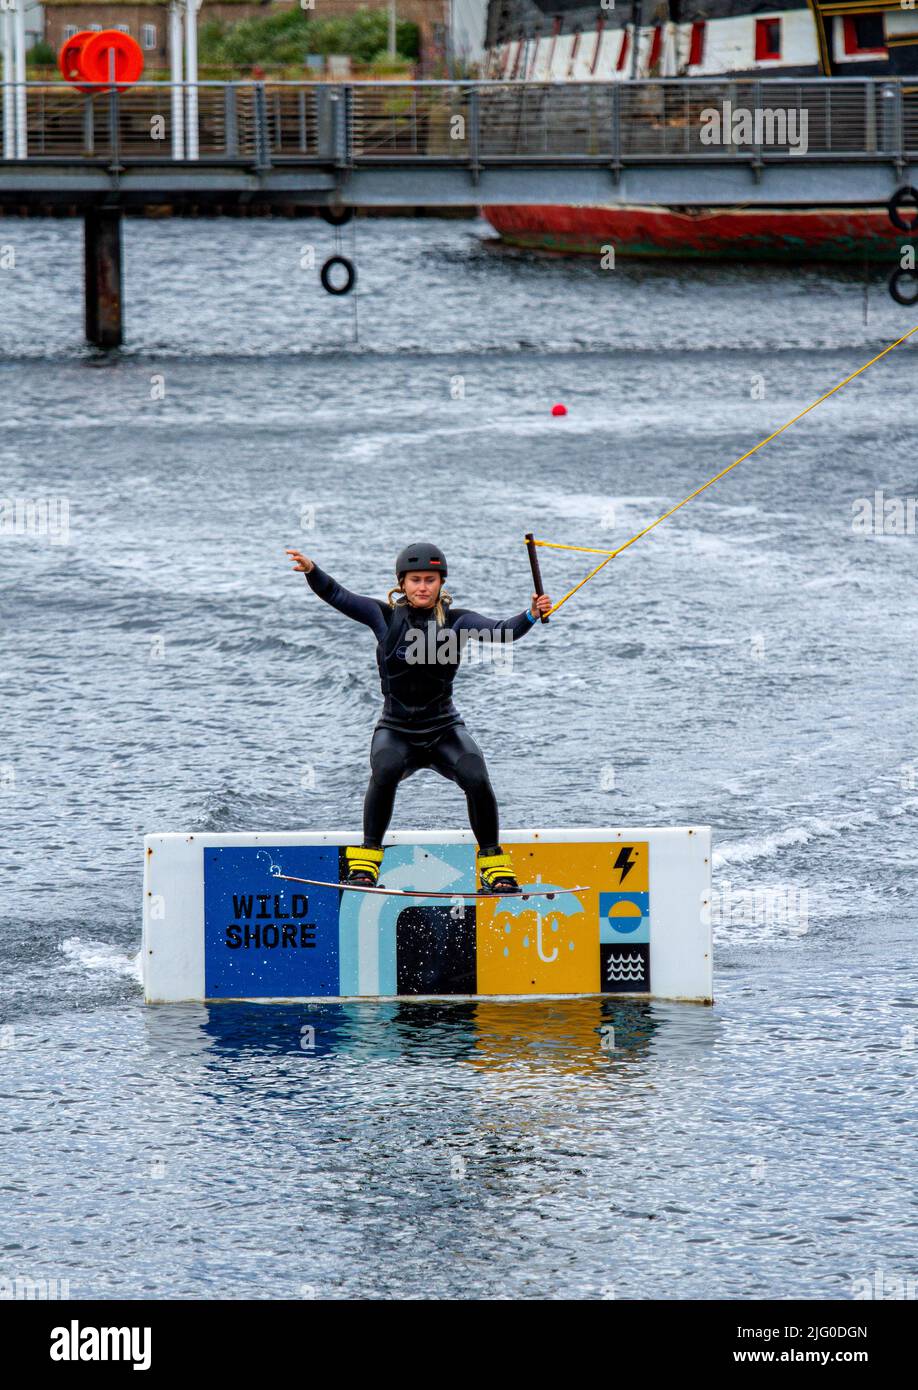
<point>97,152</point>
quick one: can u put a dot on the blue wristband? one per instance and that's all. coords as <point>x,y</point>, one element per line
<point>529,615</point>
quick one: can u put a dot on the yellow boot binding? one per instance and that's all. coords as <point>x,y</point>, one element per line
<point>496,873</point>
<point>363,865</point>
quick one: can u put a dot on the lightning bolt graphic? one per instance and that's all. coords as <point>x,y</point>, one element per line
<point>626,861</point>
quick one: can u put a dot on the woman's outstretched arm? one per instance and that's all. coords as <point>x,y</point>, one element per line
<point>371,611</point>
<point>519,625</point>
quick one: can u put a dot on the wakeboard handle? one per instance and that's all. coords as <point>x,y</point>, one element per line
<point>536,570</point>
<point>419,892</point>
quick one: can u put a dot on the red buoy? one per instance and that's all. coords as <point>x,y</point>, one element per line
<point>68,60</point>
<point>86,57</point>
<point>94,58</point>
<point>559,409</point>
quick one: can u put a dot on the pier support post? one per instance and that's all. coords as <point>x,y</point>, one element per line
<point>102,284</point>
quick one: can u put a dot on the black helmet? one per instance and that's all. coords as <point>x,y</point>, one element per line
<point>420,556</point>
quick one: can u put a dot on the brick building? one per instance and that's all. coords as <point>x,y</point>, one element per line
<point>148,20</point>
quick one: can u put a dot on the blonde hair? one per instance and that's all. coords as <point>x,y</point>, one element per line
<point>444,597</point>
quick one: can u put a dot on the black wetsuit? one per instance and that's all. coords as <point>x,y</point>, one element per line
<point>420,726</point>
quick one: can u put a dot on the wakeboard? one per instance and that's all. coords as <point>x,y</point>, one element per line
<point>523,893</point>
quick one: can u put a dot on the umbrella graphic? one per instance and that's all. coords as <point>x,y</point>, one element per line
<point>562,905</point>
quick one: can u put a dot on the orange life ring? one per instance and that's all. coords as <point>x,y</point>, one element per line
<point>90,60</point>
<point>68,60</point>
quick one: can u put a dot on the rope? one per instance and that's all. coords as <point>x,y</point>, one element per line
<point>611,554</point>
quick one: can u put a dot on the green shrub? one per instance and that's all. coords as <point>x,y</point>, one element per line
<point>384,66</point>
<point>285,38</point>
<point>41,55</point>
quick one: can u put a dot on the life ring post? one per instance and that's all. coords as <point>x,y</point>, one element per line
<point>536,571</point>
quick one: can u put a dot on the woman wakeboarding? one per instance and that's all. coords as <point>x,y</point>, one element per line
<point>420,726</point>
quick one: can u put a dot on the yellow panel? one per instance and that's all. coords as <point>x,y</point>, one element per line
<point>545,947</point>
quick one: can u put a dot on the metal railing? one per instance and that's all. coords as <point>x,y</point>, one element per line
<point>260,124</point>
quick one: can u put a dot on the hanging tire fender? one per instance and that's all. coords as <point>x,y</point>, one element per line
<point>336,216</point>
<point>899,278</point>
<point>903,195</point>
<point>326,275</point>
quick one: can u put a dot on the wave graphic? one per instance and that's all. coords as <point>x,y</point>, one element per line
<point>625,967</point>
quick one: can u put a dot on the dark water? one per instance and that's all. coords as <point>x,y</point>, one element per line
<point>751,665</point>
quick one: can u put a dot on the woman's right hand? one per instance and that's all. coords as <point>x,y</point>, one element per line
<point>302,563</point>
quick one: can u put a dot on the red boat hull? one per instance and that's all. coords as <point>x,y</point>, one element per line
<point>735,233</point>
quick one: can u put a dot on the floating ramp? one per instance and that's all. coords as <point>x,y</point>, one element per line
<point>219,923</point>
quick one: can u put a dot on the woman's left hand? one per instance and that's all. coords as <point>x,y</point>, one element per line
<point>541,603</point>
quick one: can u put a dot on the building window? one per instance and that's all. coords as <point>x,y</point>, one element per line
<point>767,39</point>
<point>696,51</point>
<point>95,28</point>
<point>863,34</point>
<point>148,36</point>
<point>123,28</point>
<point>69,31</point>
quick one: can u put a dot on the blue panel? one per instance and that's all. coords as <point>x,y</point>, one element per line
<point>621,929</point>
<point>264,937</point>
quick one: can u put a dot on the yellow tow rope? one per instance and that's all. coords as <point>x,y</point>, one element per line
<point>611,554</point>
